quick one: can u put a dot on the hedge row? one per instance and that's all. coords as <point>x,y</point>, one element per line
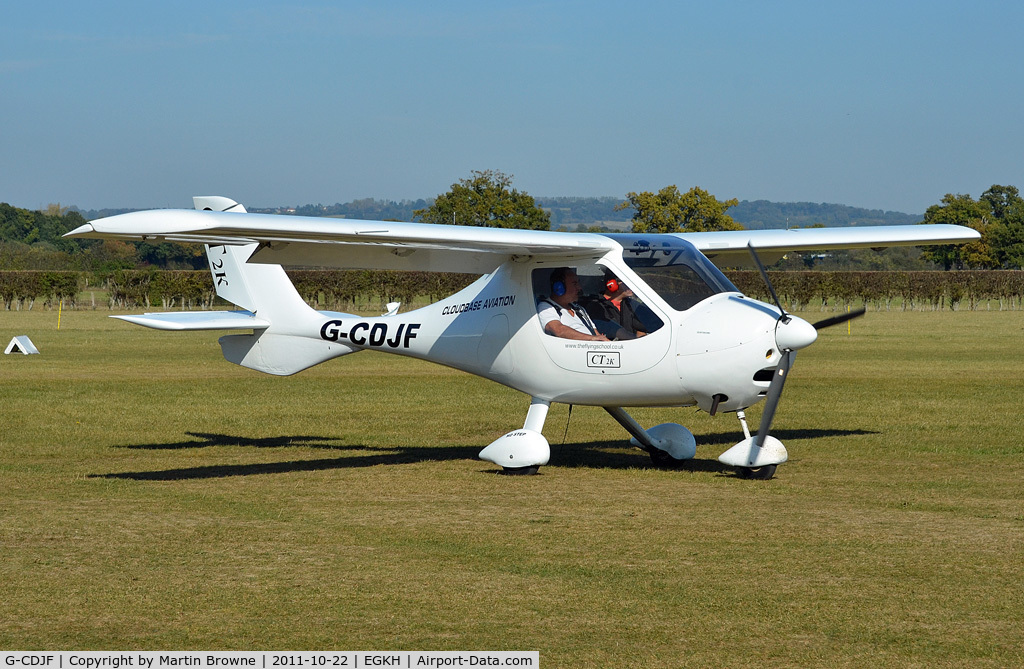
<point>323,289</point>
<point>185,289</point>
<point>349,289</point>
<point>342,289</point>
<point>886,290</point>
<point>22,289</point>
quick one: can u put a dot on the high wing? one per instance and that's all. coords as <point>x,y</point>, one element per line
<point>355,244</point>
<point>351,244</point>
<point>729,248</point>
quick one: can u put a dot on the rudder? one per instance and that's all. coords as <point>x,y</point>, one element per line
<point>265,290</point>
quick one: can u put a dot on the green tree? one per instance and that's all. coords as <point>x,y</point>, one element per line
<point>486,199</point>
<point>668,210</point>
<point>1001,201</point>
<point>1006,233</point>
<point>964,210</point>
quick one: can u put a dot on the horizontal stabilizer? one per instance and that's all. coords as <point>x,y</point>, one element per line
<point>199,320</point>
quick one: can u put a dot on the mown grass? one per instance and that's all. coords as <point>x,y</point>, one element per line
<point>153,496</point>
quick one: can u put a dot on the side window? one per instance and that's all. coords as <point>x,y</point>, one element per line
<point>615,310</point>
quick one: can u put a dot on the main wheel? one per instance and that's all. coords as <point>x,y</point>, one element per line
<point>662,459</point>
<point>757,473</point>
<point>520,471</point>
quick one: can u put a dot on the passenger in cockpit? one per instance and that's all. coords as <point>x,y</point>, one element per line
<point>613,310</point>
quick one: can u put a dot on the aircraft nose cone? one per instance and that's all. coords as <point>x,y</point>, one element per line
<point>794,335</point>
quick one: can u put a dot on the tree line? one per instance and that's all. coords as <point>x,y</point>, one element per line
<point>33,240</point>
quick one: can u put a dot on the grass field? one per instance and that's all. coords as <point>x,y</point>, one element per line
<point>153,496</point>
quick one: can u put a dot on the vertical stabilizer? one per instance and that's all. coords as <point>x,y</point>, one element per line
<point>235,281</point>
<point>262,289</point>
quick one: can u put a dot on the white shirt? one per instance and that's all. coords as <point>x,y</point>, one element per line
<point>574,316</point>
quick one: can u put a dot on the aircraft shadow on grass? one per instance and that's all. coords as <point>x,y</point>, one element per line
<point>594,454</point>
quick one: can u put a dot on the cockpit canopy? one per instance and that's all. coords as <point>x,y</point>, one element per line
<point>673,268</point>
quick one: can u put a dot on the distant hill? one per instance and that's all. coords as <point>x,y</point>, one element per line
<point>365,209</point>
<point>570,212</point>
<point>93,214</point>
<point>762,214</point>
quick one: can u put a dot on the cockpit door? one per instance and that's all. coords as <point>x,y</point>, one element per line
<point>612,358</point>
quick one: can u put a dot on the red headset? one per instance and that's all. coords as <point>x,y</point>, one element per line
<point>612,285</point>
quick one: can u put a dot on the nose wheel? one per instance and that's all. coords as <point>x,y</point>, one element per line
<point>757,473</point>
<point>754,459</point>
<point>520,471</point>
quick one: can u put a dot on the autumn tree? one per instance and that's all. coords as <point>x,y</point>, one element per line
<point>486,199</point>
<point>668,210</point>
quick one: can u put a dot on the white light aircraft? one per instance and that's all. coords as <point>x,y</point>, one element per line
<point>707,345</point>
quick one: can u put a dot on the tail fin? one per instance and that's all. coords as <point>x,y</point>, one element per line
<point>266,291</point>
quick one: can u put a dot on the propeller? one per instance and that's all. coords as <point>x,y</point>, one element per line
<point>771,401</point>
<point>768,282</point>
<point>791,334</point>
<point>841,318</point>
<point>757,456</point>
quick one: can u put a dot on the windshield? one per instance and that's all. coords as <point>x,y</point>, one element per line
<point>674,268</point>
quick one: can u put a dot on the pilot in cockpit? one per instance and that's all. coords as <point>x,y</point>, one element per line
<point>613,311</point>
<point>559,313</point>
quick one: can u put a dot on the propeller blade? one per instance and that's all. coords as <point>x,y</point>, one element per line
<point>767,281</point>
<point>836,320</point>
<point>771,401</point>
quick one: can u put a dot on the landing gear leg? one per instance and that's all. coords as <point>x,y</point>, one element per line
<point>537,414</point>
<point>743,423</point>
<point>669,444</point>
<point>753,473</point>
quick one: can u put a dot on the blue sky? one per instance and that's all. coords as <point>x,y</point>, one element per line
<point>885,105</point>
